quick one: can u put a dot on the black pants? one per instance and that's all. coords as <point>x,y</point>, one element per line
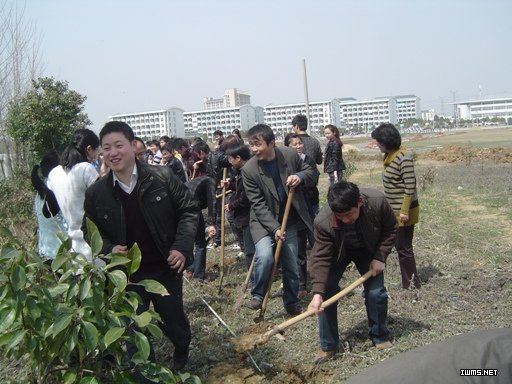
<point>174,324</point>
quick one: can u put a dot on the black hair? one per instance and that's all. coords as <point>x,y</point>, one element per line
<point>117,126</point>
<point>164,138</point>
<point>218,132</point>
<point>261,131</point>
<point>387,135</point>
<point>236,131</point>
<point>49,161</point>
<point>179,142</point>
<point>153,142</point>
<point>301,121</point>
<point>334,129</point>
<point>167,147</point>
<point>289,137</point>
<point>201,146</point>
<point>343,196</point>
<point>76,152</point>
<point>229,141</point>
<point>240,150</point>
<point>137,138</point>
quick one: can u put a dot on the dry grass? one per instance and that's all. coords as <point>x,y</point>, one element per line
<point>463,251</point>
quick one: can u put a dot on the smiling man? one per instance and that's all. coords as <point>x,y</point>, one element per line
<point>147,205</point>
<point>266,178</point>
<point>355,226</point>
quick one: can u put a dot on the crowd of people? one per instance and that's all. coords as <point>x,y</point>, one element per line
<point>154,194</point>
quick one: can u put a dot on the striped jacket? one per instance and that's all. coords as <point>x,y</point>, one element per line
<point>399,182</point>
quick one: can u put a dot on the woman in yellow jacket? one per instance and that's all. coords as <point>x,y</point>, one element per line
<point>399,182</point>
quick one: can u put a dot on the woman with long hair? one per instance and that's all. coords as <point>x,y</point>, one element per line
<point>49,217</point>
<point>70,179</point>
<point>333,158</point>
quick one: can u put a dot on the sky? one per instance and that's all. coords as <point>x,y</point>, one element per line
<point>134,56</point>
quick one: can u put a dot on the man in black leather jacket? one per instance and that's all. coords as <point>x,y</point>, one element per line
<point>147,205</point>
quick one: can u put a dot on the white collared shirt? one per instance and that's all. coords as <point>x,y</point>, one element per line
<point>133,181</point>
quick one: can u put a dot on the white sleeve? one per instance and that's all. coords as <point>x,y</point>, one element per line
<point>90,174</point>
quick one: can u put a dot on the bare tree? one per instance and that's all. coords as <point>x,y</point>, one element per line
<point>19,64</point>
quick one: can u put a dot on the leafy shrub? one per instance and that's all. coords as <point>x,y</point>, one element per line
<point>70,321</point>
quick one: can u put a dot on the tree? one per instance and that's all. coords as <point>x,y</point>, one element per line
<point>19,63</point>
<point>71,327</point>
<point>46,116</point>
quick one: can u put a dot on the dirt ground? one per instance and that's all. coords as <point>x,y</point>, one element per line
<point>459,294</point>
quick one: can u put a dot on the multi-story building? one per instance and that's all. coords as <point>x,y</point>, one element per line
<point>482,109</point>
<point>232,98</point>
<point>367,114</point>
<point>154,124</point>
<point>321,113</point>
<point>342,112</point>
<point>204,123</point>
<point>407,107</point>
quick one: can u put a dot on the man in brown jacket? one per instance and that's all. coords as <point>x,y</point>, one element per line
<point>356,226</point>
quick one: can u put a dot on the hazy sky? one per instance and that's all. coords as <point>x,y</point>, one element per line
<point>134,56</point>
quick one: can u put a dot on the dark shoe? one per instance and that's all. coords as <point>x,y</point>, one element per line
<point>302,293</point>
<point>254,304</point>
<point>180,358</point>
<point>294,311</point>
<point>323,356</point>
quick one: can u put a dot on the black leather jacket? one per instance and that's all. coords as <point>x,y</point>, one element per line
<point>166,204</point>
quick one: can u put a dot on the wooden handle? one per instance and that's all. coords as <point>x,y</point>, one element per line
<point>222,224</point>
<point>241,295</point>
<point>325,304</point>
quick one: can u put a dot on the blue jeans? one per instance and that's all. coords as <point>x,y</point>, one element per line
<point>375,300</point>
<point>198,267</point>
<point>288,260</point>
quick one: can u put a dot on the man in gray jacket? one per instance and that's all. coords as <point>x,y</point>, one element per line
<point>311,145</point>
<point>267,177</point>
<point>356,226</point>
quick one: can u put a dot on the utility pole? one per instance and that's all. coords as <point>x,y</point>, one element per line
<point>454,97</point>
<point>307,96</point>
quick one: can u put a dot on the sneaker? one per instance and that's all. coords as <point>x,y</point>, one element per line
<point>180,358</point>
<point>212,246</point>
<point>254,304</point>
<point>322,356</point>
<point>235,247</point>
<point>384,345</point>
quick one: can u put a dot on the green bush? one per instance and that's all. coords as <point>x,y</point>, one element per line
<point>70,321</point>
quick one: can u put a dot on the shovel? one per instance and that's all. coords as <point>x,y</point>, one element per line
<point>276,255</point>
<point>247,342</point>
<point>222,231</point>
<point>241,294</point>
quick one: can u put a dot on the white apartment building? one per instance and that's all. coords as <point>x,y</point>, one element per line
<point>154,124</point>
<point>407,107</point>
<point>481,109</point>
<point>367,113</point>
<point>232,98</point>
<point>321,113</point>
<point>204,123</point>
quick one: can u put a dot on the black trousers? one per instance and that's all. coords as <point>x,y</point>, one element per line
<point>174,324</point>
